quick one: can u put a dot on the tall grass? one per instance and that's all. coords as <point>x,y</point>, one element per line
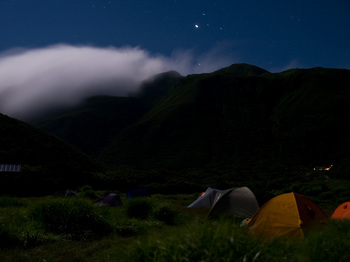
<point>330,243</point>
<point>208,241</point>
<point>226,241</point>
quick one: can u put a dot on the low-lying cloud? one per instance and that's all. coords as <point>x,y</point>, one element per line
<point>33,81</point>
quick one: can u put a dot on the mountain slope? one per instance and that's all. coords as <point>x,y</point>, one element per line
<point>94,123</point>
<point>240,123</point>
<point>154,88</point>
<point>243,123</point>
<point>48,163</point>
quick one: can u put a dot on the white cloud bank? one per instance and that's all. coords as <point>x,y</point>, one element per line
<point>32,81</point>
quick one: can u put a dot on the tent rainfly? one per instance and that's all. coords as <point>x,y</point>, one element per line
<point>206,199</point>
<point>109,200</point>
<point>286,215</point>
<point>342,211</point>
<point>234,202</point>
<point>138,193</point>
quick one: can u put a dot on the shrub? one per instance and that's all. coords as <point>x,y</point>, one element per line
<point>140,208</point>
<point>88,192</point>
<point>21,232</point>
<point>166,214</point>
<point>73,217</point>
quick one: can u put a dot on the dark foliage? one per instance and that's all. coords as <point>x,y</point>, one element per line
<point>140,208</point>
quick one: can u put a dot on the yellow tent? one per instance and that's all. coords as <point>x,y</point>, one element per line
<point>286,215</point>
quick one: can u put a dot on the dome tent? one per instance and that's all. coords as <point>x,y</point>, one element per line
<point>206,199</point>
<point>234,202</point>
<point>287,214</point>
<point>109,200</point>
<point>342,211</point>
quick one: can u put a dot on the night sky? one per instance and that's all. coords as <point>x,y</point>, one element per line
<point>274,35</point>
<point>59,52</point>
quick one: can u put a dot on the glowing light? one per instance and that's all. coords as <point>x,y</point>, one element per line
<point>196,26</point>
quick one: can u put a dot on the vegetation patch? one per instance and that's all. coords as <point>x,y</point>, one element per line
<point>140,208</point>
<point>75,218</point>
<point>59,229</point>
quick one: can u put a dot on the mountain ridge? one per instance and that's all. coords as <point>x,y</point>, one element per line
<point>239,123</point>
<point>257,104</point>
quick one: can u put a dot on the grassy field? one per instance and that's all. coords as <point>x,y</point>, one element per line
<point>159,228</point>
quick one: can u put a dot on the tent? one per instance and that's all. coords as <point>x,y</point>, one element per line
<point>138,193</point>
<point>109,200</point>
<point>205,199</point>
<point>234,202</point>
<point>70,193</point>
<point>286,215</point>
<point>342,211</point>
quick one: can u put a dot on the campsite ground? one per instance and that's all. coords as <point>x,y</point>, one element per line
<point>73,229</point>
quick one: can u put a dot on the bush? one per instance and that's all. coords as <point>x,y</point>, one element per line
<point>21,232</point>
<point>140,208</point>
<point>88,192</point>
<point>75,218</point>
<point>166,214</point>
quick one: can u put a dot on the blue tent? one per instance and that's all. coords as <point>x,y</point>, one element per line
<point>138,193</point>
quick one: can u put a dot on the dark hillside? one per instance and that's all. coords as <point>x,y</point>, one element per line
<point>92,125</point>
<point>48,163</point>
<point>241,70</point>
<point>236,125</point>
<point>153,89</point>
<point>199,124</point>
<point>313,116</point>
<point>245,125</point>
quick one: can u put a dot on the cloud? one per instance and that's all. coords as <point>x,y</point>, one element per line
<point>36,80</point>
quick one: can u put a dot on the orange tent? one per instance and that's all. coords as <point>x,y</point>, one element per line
<point>342,211</point>
<point>285,215</point>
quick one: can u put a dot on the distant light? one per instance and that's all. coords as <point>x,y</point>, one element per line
<point>196,26</point>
